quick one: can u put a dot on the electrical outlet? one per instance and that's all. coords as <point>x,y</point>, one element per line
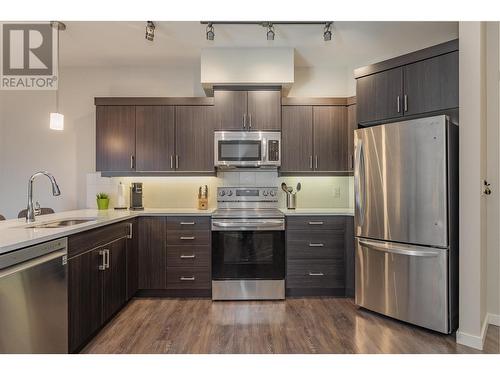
<point>336,192</point>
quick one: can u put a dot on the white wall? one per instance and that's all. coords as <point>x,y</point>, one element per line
<point>28,145</point>
<point>472,161</point>
<point>493,167</point>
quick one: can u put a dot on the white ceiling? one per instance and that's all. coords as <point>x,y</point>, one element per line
<point>96,44</point>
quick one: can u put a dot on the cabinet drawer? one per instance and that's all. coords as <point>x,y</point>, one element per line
<point>315,223</point>
<point>191,256</point>
<point>315,274</point>
<point>84,241</point>
<point>188,278</point>
<point>315,244</point>
<point>188,237</point>
<point>188,223</point>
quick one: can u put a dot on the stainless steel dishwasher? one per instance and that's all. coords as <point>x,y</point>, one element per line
<point>34,299</point>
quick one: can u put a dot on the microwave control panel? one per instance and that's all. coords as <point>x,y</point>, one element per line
<point>273,147</point>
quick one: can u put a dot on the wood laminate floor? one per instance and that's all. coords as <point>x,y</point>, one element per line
<point>300,325</point>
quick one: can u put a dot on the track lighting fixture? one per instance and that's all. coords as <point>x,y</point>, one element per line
<point>150,31</point>
<point>270,31</point>
<point>210,32</point>
<point>327,33</point>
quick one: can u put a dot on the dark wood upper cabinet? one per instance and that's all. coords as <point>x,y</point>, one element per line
<point>152,252</point>
<point>352,125</point>
<point>264,110</point>
<point>194,134</point>
<point>247,109</point>
<point>115,278</point>
<point>115,138</point>
<point>85,298</point>
<point>417,84</point>
<point>297,141</point>
<point>230,109</point>
<point>380,96</point>
<point>155,138</point>
<point>431,85</point>
<point>330,138</point>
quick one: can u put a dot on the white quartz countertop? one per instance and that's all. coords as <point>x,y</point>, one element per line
<point>318,211</point>
<point>14,233</point>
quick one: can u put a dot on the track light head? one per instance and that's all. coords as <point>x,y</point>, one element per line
<point>270,31</point>
<point>327,33</point>
<point>210,32</point>
<point>150,31</point>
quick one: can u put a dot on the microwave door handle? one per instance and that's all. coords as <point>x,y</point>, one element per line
<point>264,157</point>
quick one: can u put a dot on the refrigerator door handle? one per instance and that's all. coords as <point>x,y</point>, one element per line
<point>400,249</point>
<point>358,180</point>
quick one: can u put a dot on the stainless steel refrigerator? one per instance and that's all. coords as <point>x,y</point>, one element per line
<point>406,221</point>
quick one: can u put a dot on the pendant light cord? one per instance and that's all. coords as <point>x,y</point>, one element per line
<point>58,72</point>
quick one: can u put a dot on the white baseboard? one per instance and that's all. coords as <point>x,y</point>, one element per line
<point>494,319</point>
<point>473,341</point>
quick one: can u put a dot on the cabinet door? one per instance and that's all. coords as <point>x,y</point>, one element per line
<point>133,261</point>
<point>85,297</point>
<point>377,96</point>
<point>264,110</point>
<point>296,138</point>
<point>115,138</point>
<point>352,125</point>
<point>115,278</point>
<point>155,138</point>
<point>194,134</point>
<point>230,109</point>
<point>432,84</point>
<point>330,138</point>
<point>152,252</point>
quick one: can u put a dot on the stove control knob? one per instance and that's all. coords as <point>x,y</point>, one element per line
<point>229,193</point>
<point>264,193</point>
<point>273,193</point>
<point>222,193</point>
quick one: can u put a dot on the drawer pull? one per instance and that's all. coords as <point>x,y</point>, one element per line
<point>188,256</point>
<point>316,223</point>
<point>316,244</point>
<point>188,223</point>
<point>187,278</point>
<point>188,238</point>
<point>316,274</point>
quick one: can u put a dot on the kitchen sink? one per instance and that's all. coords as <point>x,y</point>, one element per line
<point>61,223</point>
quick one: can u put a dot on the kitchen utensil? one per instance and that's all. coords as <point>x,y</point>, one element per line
<point>291,201</point>
<point>284,187</point>
<point>290,189</point>
<point>299,186</point>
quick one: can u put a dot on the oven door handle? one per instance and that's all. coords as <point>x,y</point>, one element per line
<point>249,225</point>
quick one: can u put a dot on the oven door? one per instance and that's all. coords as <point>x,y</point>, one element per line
<point>248,254</point>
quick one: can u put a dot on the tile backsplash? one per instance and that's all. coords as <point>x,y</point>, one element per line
<point>182,192</point>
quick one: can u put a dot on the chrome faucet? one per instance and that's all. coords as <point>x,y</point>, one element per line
<point>30,214</point>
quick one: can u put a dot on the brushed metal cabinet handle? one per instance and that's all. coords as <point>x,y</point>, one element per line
<point>130,231</point>
<point>398,104</point>
<point>102,266</point>
<point>406,103</point>
<point>250,121</point>
<point>187,278</point>
<point>171,161</point>
<point>188,256</point>
<point>176,161</point>
<point>316,223</point>
<point>244,120</point>
<point>316,274</point>
<point>311,161</point>
<point>187,237</point>
<point>132,161</point>
<point>106,253</point>
<point>316,244</point>
<point>316,162</point>
<point>188,223</point>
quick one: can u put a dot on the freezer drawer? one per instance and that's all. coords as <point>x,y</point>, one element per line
<point>405,282</point>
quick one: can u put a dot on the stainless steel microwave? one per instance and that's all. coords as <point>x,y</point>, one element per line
<point>235,149</point>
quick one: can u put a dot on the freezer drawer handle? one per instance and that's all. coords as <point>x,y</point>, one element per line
<point>400,249</point>
<point>316,244</point>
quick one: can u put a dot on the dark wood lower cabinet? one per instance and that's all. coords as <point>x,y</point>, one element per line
<point>152,252</point>
<point>320,256</point>
<point>114,279</point>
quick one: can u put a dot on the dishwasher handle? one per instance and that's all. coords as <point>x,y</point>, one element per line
<point>34,262</point>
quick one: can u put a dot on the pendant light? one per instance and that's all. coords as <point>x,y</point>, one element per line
<point>57,118</point>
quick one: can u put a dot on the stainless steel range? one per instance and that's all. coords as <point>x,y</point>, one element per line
<point>248,245</point>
